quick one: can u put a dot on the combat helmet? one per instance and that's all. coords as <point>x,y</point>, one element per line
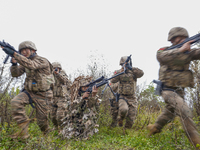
<point>123,59</point>
<point>56,65</point>
<point>27,44</point>
<point>177,31</point>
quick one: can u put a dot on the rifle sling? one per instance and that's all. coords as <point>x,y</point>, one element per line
<point>30,99</point>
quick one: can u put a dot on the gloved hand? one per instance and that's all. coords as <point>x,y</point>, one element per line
<point>8,51</point>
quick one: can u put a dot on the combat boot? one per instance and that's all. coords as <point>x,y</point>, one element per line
<point>128,124</point>
<point>153,129</point>
<point>23,133</point>
<point>120,123</point>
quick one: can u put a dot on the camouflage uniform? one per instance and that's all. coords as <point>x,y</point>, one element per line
<point>60,95</point>
<point>127,100</point>
<point>114,105</point>
<point>82,116</point>
<point>175,74</point>
<point>38,82</point>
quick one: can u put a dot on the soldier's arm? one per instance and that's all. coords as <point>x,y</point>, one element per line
<point>195,54</point>
<point>138,73</point>
<point>116,79</point>
<point>31,64</point>
<point>17,70</point>
<point>173,56</point>
<point>114,86</point>
<point>62,77</point>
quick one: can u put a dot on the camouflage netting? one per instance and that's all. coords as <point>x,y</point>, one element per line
<point>82,116</point>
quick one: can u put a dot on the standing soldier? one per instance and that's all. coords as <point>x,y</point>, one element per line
<point>114,104</point>
<point>126,89</point>
<point>175,75</point>
<point>37,87</point>
<point>60,94</point>
<point>82,116</point>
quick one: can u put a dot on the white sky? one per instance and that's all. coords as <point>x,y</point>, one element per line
<point>68,31</point>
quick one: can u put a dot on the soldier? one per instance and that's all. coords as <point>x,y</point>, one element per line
<point>39,78</point>
<point>60,94</point>
<point>114,105</point>
<point>175,75</point>
<point>126,89</point>
<point>82,116</point>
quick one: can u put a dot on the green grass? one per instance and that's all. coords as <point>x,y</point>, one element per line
<point>171,138</point>
<point>115,138</point>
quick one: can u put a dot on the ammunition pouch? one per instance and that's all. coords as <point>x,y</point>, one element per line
<point>127,88</point>
<point>175,78</point>
<point>39,85</point>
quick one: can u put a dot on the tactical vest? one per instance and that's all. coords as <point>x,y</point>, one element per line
<point>127,83</point>
<point>60,89</point>
<point>38,80</point>
<point>177,73</point>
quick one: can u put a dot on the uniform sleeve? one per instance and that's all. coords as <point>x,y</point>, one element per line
<point>114,86</point>
<point>17,70</point>
<point>195,54</point>
<point>34,64</point>
<point>116,79</point>
<point>138,73</point>
<point>62,77</point>
<point>172,56</point>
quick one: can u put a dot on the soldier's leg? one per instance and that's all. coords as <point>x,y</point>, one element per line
<point>132,112</point>
<point>114,113</point>
<point>123,111</point>
<point>42,108</point>
<point>19,114</point>
<point>61,110</point>
<point>166,116</point>
<point>53,111</point>
<point>18,107</point>
<point>183,111</point>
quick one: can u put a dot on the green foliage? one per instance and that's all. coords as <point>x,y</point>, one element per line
<point>171,138</point>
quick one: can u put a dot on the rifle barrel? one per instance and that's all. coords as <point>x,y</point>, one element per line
<point>196,38</point>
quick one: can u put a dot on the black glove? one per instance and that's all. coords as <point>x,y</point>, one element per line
<point>8,51</point>
<point>13,64</point>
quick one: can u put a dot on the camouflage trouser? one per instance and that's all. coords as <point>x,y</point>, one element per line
<point>175,105</point>
<point>58,110</point>
<point>114,112</point>
<point>127,109</point>
<point>41,105</point>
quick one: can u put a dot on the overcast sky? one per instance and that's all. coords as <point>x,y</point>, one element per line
<point>68,31</point>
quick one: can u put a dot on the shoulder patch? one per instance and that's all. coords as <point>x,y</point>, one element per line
<point>161,49</point>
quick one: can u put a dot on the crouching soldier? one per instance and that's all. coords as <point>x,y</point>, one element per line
<point>81,119</point>
<point>60,94</point>
<point>126,89</point>
<point>37,87</point>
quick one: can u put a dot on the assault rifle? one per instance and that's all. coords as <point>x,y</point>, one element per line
<point>128,65</point>
<point>4,44</point>
<point>102,81</point>
<point>196,39</point>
